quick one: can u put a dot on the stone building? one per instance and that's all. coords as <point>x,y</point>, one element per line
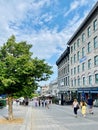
<point>53,88</point>
<point>83,59</point>
<point>63,76</point>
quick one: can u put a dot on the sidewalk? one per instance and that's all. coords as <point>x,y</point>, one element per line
<point>62,118</point>
<point>24,112</point>
<point>42,121</point>
<point>55,118</point>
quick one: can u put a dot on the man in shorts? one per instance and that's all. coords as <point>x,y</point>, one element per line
<point>90,105</point>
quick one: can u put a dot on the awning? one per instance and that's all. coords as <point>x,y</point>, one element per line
<point>48,95</point>
<point>93,91</point>
<point>84,91</point>
<point>88,90</point>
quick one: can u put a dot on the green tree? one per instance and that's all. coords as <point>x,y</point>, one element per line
<point>19,72</point>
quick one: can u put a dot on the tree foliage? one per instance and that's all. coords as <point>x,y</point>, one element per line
<point>19,72</point>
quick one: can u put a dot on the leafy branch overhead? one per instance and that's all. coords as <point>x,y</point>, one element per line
<point>18,70</point>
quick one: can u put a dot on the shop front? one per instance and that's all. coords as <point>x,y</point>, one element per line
<point>83,93</point>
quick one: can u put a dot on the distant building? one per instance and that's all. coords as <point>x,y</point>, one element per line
<point>53,88</point>
<point>63,76</point>
<point>44,90</point>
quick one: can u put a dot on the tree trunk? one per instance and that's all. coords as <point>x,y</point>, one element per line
<point>10,108</point>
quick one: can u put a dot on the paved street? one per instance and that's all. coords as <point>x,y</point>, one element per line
<point>62,118</point>
<point>55,118</point>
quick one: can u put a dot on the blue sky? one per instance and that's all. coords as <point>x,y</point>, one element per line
<point>46,24</point>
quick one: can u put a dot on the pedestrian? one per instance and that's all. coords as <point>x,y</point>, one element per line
<point>47,103</point>
<point>83,108</point>
<point>42,103</point>
<point>36,103</point>
<point>75,106</point>
<point>26,101</point>
<point>39,102</point>
<point>90,105</point>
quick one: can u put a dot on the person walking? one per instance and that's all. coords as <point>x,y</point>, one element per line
<point>83,108</point>
<point>90,105</point>
<point>42,102</point>
<point>39,102</point>
<point>75,106</point>
<point>47,103</point>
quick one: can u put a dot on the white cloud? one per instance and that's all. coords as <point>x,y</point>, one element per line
<point>46,41</point>
<point>73,6</point>
<point>76,4</point>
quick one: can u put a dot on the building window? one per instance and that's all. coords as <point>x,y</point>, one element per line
<point>89,47</point>
<point>74,58</point>
<point>83,53</point>
<point>83,37</point>
<point>95,25</point>
<point>96,78</point>
<point>89,64</point>
<point>74,46</point>
<point>68,68</point>
<point>83,80</point>
<point>89,31</point>
<point>78,56</point>
<point>96,42</point>
<point>71,49</point>
<point>71,82</point>
<point>68,57</point>
<point>71,60</point>
<point>68,80</point>
<point>78,81</point>
<point>74,82</point>
<point>90,80</point>
<point>74,70</point>
<point>64,70</point>
<point>71,71</point>
<point>78,42</point>
<point>78,68</point>
<point>83,66</point>
<point>64,81</point>
<point>96,60</point>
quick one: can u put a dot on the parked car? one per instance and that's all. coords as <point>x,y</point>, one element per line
<point>96,103</point>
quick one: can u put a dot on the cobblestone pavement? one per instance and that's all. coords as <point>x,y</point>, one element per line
<point>18,111</point>
<point>62,118</point>
<point>55,118</point>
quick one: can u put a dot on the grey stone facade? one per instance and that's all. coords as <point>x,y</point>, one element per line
<point>83,58</point>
